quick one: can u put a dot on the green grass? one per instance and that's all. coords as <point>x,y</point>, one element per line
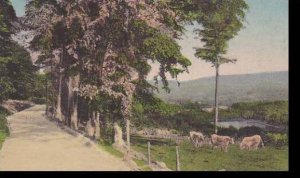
<point>3,135</point>
<point>142,164</point>
<point>208,159</point>
<point>3,128</point>
<point>110,149</point>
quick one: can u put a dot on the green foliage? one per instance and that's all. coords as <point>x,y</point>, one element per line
<point>7,16</point>
<point>42,88</point>
<point>6,88</point>
<point>221,21</point>
<point>271,112</point>
<point>277,139</point>
<point>3,122</point>
<point>3,127</point>
<point>17,74</point>
<point>39,100</point>
<point>153,112</point>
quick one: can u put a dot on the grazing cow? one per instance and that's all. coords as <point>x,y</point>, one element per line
<point>196,138</point>
<point>221,141</point>
<point>251,142</point>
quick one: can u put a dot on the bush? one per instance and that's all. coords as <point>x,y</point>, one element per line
<point>250,131</point>
<point>231,131</point>
<point>39,100</point>
<point>3,123</point>
<point>278,139</point>
<point>3,127</point>
<point>271,112</point>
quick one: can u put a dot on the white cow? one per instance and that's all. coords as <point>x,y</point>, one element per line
<point>251,142</point>
<point>221,141</point>
<point>197,138</point>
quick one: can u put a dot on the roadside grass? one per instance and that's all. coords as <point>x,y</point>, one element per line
<point>110,149</point>
<point>143,165</point>
<point>3,135</point>
<point>107,146</point>
<point>208,159</point>
<point>3,128</point>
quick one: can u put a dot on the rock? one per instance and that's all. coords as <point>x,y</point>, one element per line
<point>90,130</point>
<point>118,140</point>
<point>138,155</point>
<point>222,170</point>
<point>159,166</point>
<point>14,106</point>
<point>97,132</point>
<point>157,133</point>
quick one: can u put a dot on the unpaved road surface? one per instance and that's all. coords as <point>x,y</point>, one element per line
<point>36,144</point>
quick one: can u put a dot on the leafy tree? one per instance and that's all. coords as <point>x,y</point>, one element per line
<point>17,74</point>
<point>108,44</point>
<point>17,71</point>
<point>220,21</point>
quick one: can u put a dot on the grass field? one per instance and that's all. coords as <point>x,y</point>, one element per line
<point>207,159</point>
<point>3,135</point>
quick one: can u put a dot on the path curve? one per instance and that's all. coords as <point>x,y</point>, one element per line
<point>37,144</point>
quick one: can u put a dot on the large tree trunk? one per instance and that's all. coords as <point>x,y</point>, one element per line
<point>58,104</point>
<point>216,99</point>
<point>72,101</point>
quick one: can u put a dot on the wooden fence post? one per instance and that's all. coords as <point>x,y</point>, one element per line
<point>177,159</point>
<point>149,160</point>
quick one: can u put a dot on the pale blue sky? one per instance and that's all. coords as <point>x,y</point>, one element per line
<point>262,46</point>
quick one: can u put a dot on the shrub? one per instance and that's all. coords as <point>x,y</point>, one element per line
<point>3,123</point>
<point>231,131</point>
<point>250,131</point>
<point>39,100</point>
<point>278,139</point>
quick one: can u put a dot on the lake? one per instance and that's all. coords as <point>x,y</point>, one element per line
<point>248,123</point>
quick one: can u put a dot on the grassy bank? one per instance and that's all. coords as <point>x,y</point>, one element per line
<point>207,159</point>
<point>3,128</point>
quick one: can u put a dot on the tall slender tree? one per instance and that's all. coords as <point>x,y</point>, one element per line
<point>220,21</point>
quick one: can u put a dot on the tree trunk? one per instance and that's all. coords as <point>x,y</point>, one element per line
<point>46,97</point>
<point>216,98</point>
<point>58,104</point>
<point>52,96</point>
<point>97,126</point>
<point>72,101</point>
<point>128,134</point>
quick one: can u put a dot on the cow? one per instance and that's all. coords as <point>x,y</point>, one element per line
<point>196,138</point>
<point>251,142</point>
<point>221,141</point>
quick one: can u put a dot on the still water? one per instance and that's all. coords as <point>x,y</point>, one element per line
<point>248,123</point>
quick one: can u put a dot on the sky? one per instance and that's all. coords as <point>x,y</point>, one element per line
<point>262,46</point>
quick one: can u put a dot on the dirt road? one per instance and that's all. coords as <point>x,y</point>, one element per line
<point>38,144</point>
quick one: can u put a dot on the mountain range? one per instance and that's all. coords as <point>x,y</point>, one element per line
<point>232,88</point>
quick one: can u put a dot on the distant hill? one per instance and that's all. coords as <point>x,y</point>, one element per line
<point>232,88</point>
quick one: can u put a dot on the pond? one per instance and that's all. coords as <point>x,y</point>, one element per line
<point>248,123</point>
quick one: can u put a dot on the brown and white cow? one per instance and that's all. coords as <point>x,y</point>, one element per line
<point>196,138</point>
<point>251,142</point>
<point>221,141</point>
